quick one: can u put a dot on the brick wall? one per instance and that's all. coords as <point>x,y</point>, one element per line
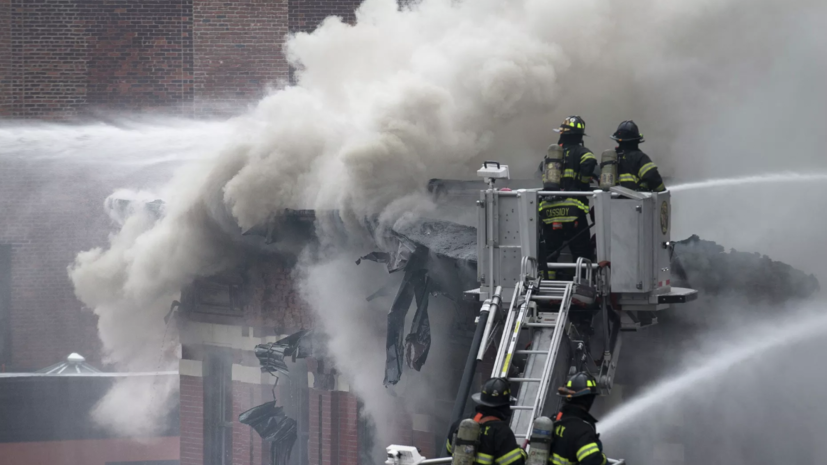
<point>192,420</point>
<point>237,51</point>
<point>306,15</point>
<point>139,53</point>
<point>272,300</point>
<point>5,58</point>
<point>62,58</point>
<point>333,429</point>
<point>67,58</point>
<point>48,54</point>
<point>248,448</point>
<point>348,440</point>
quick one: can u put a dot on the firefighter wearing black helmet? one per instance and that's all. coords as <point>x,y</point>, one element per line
<point>564,219</point>
<point>497,444</point>
<point>575,439</point>
<point>635,169</point>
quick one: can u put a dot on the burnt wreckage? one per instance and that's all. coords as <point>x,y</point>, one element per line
<point>440,257</point>
<point>437,258</point>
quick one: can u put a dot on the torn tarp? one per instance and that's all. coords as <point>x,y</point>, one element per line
<point>414,284</point>
<point>273,426</point>
<point>272,355</point>
<point>418,341</point>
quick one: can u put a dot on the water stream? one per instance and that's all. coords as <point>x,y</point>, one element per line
<point>127,143</point>
<point>775,178</point>
<point>751,345</point>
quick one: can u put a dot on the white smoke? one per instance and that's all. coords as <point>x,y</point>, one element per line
<point>429,91</point>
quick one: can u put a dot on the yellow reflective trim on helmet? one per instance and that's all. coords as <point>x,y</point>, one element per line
<point>587,450</point>
<point>645,169</point>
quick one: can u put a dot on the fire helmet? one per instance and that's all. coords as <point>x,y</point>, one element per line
<point>572,125</point>
<point>496,392</point>
<point>627,131</point>
<point>580,384</point>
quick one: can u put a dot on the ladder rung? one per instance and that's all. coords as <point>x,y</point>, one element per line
<point>525,380</point>
<point>554,293</point>
<point>540,325</point>
<point>520,436</point>
<point>522,407</point>
<point>529,352</point>
<point>546,298</point>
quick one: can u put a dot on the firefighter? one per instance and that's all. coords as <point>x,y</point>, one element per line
<point>564,219</point>
<point>497,444</point>
<point>635,169</point>
<point>575,439</point>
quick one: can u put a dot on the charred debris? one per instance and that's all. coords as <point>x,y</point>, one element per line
<point>438,257</point>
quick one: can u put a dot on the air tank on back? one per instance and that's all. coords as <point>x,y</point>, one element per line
<point>608,169</point>
<point>465,444</point>
<point>541,440</point>
<point>553,168</point>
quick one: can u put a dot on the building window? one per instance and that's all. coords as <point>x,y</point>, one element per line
<point>218,407</point>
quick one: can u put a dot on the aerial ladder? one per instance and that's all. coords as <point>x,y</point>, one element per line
<point>550,329</point>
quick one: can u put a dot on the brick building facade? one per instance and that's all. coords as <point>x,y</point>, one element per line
<point>221,320</point>
<point>60,59</point>
<point>64,60</point>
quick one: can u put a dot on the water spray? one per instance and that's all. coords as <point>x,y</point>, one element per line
<point>770,337</point>
<point>745,180</point>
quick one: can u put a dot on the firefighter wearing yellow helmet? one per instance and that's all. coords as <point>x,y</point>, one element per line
<point>575,439</point>
<point>495,444</point>
<point>568,166</point>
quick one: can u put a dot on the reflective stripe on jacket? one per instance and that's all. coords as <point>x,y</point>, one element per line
<point>636,171</point>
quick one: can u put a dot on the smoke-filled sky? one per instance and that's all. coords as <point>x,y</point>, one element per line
<point>720,88</point>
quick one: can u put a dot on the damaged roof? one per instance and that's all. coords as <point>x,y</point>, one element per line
<point>442,237</point>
